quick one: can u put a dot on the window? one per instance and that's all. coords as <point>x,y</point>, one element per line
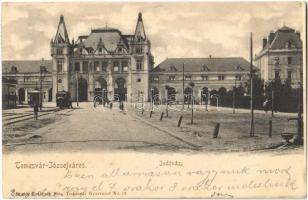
<point>96,66</point>
<point>116,66</point>
<point>187,77</point>
<point>139,65</point>
<point>59,51</point>
<point>277,74</point>
<point>289,75</point>
<point>204,77</point>
<point>171,78</point>
<point>238,77</point>
<point>124,66</point>
<point>60,66</point>
<point>289,60</point>
<point>80,50</point>
<point>155,78</point>
<point>221,77</point>
<point>120,49</point>
<point>139,50</point>
<point>104,66</point>
<point>77,66</point>
<point>85,66</point>
<point>138,79</point>
<point>100,50</point>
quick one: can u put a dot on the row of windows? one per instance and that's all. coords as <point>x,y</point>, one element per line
<point>289,60</point>
<point>289,75</point>
<point>100,50</point>
<point>100,67</point>
<point>203,77</point>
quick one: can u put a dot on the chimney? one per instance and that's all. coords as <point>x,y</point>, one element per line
<point>298,34</point>
<point>264,42</point>
<point>271,37</point>
<point>210,56</point>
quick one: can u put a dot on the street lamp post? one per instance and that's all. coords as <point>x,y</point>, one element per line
<point>183,85</point>
<point>142,101</point>
<point>152,100</point>
<point>77,93</point>
<point>234,96</point>
<point>167,102</point>
<point>273,99</point>
<point>41,87</point>
<point>191,84</point>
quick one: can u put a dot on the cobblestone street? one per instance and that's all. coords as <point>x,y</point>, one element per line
<point>88,129</point>
<point>94,129</point>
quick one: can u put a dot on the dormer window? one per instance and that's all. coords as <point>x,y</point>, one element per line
<point>290,45</point>
<point>205,68</point>
<point>120,49</point>
<point>238,67</point>
<point>100,50</point>
<point>172,68</point>
<point>59,39</point>
<point>139,38</point>
<point>80,50</point>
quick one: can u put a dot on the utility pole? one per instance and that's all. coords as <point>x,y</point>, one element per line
<point>41,100</point>
<point>251,91</point>
<point>273,98</point>
<point>183,83</point>
<point>77,93</point>
<point>152,100</point>
<point>234,96</point>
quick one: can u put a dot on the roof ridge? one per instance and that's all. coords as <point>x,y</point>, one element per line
<point>25,60</point>
<point>205,57</point>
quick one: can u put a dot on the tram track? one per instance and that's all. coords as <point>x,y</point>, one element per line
<point>26,117</point>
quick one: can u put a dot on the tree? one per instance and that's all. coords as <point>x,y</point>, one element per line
<point>258,86</point>
<point>222,91</point>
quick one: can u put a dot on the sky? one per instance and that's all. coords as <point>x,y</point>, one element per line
<point>175,29</point>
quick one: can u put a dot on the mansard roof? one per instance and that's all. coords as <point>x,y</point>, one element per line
<point>280,39</point>
<point>109,37</point>
<point>222,64</point>
<point>284,35</point>
<point>25,66</point>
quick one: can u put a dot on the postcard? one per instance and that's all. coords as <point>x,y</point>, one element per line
<point>154,100</point>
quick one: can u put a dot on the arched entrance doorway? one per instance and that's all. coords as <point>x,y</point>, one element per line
<point>204,94</point>
<point>82,89</point>
<point>120,89</point>
<point>171,94</point>
<point>188,95</point>
<point>100,87</point>
<point>21,95</point>
<point>50,94</point>
<point>155,95</point>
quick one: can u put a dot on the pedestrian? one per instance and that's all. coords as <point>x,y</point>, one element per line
<point>110,105</point>
<point>265,105</point>
<point>35,109</point>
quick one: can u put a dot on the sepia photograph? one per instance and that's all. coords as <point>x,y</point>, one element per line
<point>154,99</point>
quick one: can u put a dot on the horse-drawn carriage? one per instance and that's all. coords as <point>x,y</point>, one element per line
<point>63,99</point>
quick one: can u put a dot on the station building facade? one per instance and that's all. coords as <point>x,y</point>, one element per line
<point>281,56</point>
<point>105,62</point>
<point>28,76</point>
<point>173,78</point>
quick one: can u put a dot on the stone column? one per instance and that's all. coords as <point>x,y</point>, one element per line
<point>26,95</point>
